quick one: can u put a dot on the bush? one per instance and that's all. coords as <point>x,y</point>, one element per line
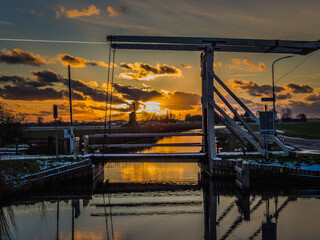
<point>286,115</point>
<point>194,118</point>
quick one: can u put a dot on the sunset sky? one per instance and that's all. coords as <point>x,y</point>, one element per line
<point>33,75</point>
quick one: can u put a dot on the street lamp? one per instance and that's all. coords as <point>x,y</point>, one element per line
<point>273,94</point>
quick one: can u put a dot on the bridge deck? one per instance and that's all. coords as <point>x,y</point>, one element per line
<point>149,157</point>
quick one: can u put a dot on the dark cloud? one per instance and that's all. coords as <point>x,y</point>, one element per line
<point>17,80</point>
<point>18,56</point>
<point>75,95</point>
<point>29,93</point>
<point>299,88</point>
<point>47,78</point>
<point>253,88</point>
<point>312,98</point>
<point>80,88</point>
<point>125,66</point>
<point>144,71</point>
<point>103,108</point>
<point>283,96</point>
<point>131,93</point>
<point>310,109</point>
<point>42,79</point>
<point>181,101</point>
<point>67,59</point>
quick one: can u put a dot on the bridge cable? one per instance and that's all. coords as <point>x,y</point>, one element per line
<point>107,97</point>
<point>111,89</point>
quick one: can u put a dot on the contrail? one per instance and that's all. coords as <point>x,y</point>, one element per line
<point>47,41</point>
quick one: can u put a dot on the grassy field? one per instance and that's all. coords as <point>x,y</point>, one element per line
<point>303,130</point>
<point>307,159</point>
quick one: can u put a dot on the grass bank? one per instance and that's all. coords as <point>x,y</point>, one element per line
<point>296,162</point>
<point>302,130</point>
<point>13,171</point>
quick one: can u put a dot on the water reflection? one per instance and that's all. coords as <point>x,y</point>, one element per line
<point>173,206</point>
<point>7,223</point>
<point>177,173</point>
<point>177,139</point>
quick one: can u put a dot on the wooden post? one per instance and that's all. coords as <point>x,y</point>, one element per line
<point>204,101</point>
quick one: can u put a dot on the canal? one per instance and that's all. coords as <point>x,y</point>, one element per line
<point>162,201</point>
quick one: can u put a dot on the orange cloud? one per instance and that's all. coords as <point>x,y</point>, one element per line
<point>246,66</point>
<point>253,88</point>
<point>67,59</point>
<point>74,13</point>
<point>185,65</point>
<point>144,71</point>
<point>112,12</point>
<point>217,64</point>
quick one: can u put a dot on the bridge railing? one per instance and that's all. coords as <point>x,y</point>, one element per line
<point>131,136</point>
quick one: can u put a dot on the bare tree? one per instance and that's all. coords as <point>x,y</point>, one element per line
<point>10,126</point>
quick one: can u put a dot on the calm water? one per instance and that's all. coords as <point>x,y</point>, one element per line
<point>163,201</point>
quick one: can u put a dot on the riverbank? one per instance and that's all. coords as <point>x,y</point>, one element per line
<point>14,171</point>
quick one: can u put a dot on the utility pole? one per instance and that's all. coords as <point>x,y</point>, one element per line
<point>70,100</point>
<point>55,115</point>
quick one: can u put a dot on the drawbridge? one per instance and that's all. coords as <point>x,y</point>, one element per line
<point>210,82</point>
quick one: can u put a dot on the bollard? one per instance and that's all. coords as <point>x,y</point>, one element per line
<point>84,145</point>
<point>76,147</point>
<point>243,175</point>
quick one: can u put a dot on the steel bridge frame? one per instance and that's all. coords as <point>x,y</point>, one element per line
<point>207,47</point>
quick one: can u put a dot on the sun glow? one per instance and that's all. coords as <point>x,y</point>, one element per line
<point>153,107</point>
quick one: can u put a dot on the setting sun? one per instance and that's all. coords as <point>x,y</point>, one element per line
<point>153,107</point>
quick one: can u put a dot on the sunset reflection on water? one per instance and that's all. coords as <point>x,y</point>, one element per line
<point>178,173</point>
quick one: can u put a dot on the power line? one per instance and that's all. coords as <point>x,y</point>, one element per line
<point>295,67</point>
<point>303,61</point>
<point>48,41</point>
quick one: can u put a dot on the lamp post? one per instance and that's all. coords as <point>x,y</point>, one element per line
<point>273,94</point>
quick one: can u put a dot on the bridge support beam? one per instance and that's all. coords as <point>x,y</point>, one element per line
<point>208,105</point>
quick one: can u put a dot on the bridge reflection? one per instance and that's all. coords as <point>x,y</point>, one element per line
<point>225,210</point>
